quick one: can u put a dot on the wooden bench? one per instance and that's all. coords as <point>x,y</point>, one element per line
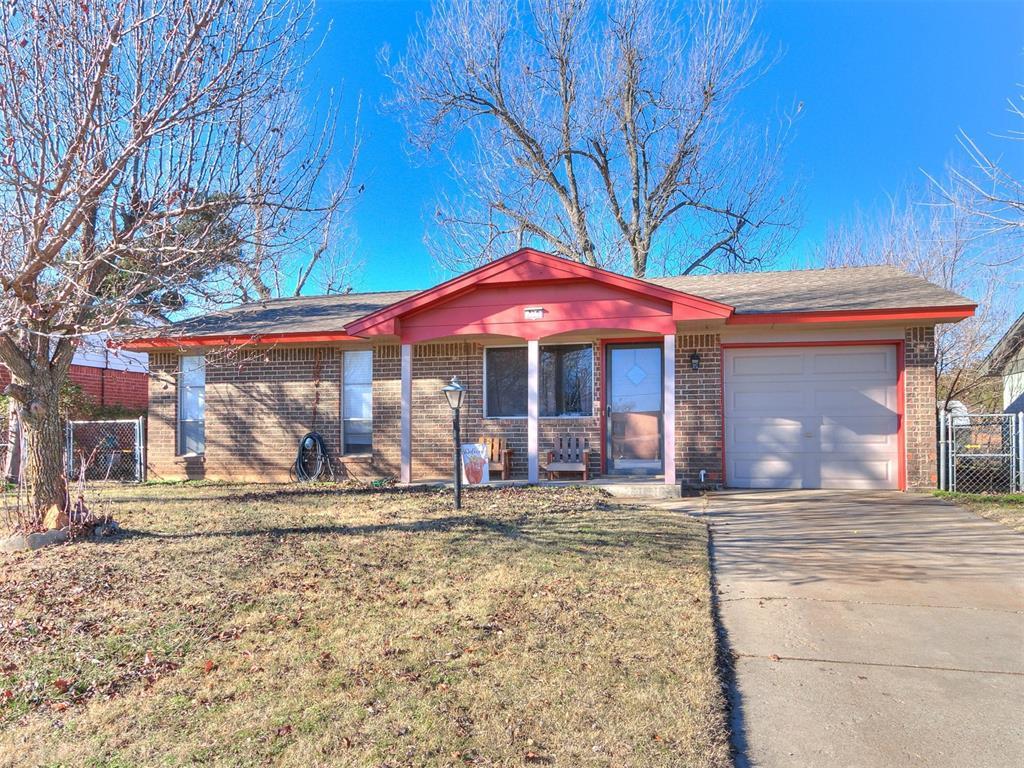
<point>499,456</point>
<point>571,454</point>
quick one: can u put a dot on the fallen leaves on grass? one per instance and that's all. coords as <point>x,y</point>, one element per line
<point>511,632</point>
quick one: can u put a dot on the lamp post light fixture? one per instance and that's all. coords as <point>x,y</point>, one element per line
<point>455,393</point>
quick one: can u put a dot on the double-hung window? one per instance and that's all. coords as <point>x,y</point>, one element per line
<point>566,381</point>
<point>192,405</point>
<point>357,402</point>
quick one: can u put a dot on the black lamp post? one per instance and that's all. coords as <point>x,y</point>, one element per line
<point>455,392</point>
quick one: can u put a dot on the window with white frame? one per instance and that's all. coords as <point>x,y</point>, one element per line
<point>566,381</point>
<point>357,402</point>
<point>192,406</point>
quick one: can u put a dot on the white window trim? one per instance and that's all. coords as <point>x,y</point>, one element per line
<point>180,435</point>
<point>341,408</point>
<point>524,417</point>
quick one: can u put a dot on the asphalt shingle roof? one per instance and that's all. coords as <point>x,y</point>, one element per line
<point>848,288</point>
<point>1006,349</point>
<point>817,290</point>
<point>299,314</point>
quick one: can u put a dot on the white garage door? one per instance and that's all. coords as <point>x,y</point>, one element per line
<point>811,417</point>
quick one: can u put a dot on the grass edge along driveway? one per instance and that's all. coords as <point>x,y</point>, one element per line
<point>1006,508</point>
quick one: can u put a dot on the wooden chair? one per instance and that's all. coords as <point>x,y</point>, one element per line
<point>499,456</point>
<point>571,454</point>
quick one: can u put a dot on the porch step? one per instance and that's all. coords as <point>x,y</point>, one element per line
<point>641,490</point>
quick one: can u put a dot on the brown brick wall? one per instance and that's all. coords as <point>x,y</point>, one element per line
<point>161,419</point>
<point>699,408</point>
<point>387,409</point>
<point>919,411</point>
<point>259,404</point>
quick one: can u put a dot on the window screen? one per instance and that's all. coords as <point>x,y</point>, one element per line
<point>192,405</point>
<point>506,381</point>
<point>357,421</point>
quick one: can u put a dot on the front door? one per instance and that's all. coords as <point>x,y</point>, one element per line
<point>633,412</point>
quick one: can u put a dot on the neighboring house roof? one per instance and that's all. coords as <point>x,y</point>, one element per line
<point>95,351</point>
<point>844,292</point>
<point>1006,349</point>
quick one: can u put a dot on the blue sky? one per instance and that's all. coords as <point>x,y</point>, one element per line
<point>885,87</point>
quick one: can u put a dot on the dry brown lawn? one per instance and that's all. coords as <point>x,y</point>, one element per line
<point>325,626</point>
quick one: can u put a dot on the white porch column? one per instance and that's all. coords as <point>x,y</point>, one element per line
<point>406,414</point>
<point>669,407</point>
<point>532,408</point>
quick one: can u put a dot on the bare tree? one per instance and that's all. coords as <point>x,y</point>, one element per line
<point>924,235</point>
<point>316,251</point>
<point>147,159</point>
<point>986,189</point>
<point>606,131</point>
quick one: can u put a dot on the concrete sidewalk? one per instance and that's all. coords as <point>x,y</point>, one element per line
<point>870,629</point>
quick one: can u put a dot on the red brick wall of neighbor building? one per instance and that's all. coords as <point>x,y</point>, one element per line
<point>259,407</point>
<point>104,386</point>
<point>919,413</point>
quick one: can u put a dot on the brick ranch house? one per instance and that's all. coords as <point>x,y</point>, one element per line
<point>804,379</point>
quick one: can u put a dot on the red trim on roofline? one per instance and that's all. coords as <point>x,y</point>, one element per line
<point>533,267</point>
<point>853,315</point>
<point>174,342</point>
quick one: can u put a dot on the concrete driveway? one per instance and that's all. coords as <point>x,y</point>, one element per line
<point>870,629</point>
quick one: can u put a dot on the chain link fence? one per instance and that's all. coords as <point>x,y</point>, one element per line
<point>981,452</point>
<point>107,450</point>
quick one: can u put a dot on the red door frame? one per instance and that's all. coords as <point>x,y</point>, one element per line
<point>901,458</point>
<point>604,385</point>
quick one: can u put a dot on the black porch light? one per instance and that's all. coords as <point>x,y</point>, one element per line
<point>455,392</point>
<point>695,361</point>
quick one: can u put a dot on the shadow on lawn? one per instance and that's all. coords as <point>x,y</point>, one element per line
<point>297,492</point>
<point>612,527</point>
<point>439,524</point>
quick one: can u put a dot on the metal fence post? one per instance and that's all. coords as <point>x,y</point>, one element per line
<point>1020,451</point>
<point>942,451</point>
<point>140,450</point>
<point>69,444</point>
<point>951,452</point>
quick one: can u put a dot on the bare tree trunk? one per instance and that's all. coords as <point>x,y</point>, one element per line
<point>43,468</point>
